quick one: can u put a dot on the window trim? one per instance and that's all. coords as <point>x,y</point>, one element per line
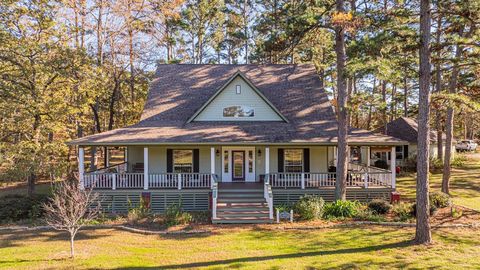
<point>241,107</point>
<point>182,166</point>
<point>285,160</point>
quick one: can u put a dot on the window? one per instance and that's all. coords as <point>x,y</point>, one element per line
<point>355,154</point>
<point>399,152</point>
<point>182,161</point>
<point>238,111</point>
<point>293,160</point>
<point>238,89</point>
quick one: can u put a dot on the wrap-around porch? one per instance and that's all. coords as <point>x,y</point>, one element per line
<point>190,167</point>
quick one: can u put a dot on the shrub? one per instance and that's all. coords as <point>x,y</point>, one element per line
<point>413,210</point>
<point>381,164</point>
<point>284,207</point>
<point>459,160</point>
<point>439,199</point>
<point>138,212</point>
<point>402,211</point>
<point>435,164</point>
<point>309,207</point>
<point>341,209</point>
<point>369,215</point>
<point>174,215</point>
<point>18,207</point>
<point>380,207</point>
<point>200,216</point>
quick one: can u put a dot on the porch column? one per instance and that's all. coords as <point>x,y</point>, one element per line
<point>212,160</point>
<point>368,156</point>
<point>393,166</point>
<point>107,157</point>
<point>335,156</point>
<point>81,167</point>
<point>145,168</point>
<point>267,160</point>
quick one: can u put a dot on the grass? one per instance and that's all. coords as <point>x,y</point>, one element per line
<point>21,189</point>
<point>244,248</point>
<point>464,184</point>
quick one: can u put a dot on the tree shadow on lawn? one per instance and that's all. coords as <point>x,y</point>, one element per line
<point>239,261</point>
<point>16,238</point>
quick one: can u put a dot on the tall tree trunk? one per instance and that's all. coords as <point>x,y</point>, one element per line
<point>342,157</point>
<point>438,86</point>
<point>452,88</point>
<point>384,109</point>
<point>423,234</point>
<point>405,95</point>
<point>369,118</point>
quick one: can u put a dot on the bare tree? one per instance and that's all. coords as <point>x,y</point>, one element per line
<point>340,189</point>
<point>70,208</point>
<point>423,234</point>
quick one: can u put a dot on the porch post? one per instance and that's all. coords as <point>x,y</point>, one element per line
<point>335,156</point>
<point>81,167</point>
<point>212,160</point>
<point>107,157</point>
<point>145,168</point>
<point>267,160</point>
<point>393,166</point>
<point>368,156</point>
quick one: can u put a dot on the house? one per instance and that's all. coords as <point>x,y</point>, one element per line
<point>406,129</point>
<point>234,140</point>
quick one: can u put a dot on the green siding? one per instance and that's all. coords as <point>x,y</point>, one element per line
<point>228,97</point>
<point>122,201</point>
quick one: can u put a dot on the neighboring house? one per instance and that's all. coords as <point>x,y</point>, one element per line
<point>406,129</point>
<point>235,140</point>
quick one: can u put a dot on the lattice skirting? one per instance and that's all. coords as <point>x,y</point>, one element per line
<point>289,196</point>
<point>121,201</point>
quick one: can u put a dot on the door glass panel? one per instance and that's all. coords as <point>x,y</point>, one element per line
<point>250,161</point>
<point>225,161</point>
<point>238,164</point>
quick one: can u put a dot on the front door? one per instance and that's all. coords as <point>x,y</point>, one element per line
<point>238,164</point>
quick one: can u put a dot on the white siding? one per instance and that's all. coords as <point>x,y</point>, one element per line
<point>229,97</point>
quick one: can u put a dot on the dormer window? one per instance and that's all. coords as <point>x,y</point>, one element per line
<point>238,89</point>
<point>238,111</point>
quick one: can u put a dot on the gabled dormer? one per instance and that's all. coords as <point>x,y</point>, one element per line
<point>238,100</point>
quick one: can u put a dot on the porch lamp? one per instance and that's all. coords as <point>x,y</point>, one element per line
<point>259,152</point>
<point>217,152</point>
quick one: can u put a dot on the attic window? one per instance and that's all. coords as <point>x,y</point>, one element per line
<point>238,111</point>
<point>238,89</point>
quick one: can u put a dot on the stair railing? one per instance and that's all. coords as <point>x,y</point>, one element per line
<point>268,195</point>
<point>214,195</point>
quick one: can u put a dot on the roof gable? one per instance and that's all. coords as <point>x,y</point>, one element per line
<point>238,93</point>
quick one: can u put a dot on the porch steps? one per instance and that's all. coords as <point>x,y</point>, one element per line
<point>242,206</point>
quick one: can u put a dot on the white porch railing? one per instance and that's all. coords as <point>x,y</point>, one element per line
<point>114,181</point>
<point>214,187</point>
<point>365,178</point>
<point>268,195</point>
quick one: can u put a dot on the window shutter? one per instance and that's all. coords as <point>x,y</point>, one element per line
<point>280,159</point>
<point>196,160</point>
<point>405,152</point>
<point>169,160</point>
<point>306,159</point>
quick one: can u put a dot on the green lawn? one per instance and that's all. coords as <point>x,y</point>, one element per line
<point>464,185</point>
<point>41,188</point>
<point>245,248</point>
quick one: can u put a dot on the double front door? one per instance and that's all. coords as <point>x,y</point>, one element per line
<point>238,164</point>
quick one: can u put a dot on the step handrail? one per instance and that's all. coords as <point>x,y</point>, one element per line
<point>214,196</point>
<point>268,195</point>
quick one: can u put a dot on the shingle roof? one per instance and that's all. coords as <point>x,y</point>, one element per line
<point>406,129</point>
<point>178,91</point>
